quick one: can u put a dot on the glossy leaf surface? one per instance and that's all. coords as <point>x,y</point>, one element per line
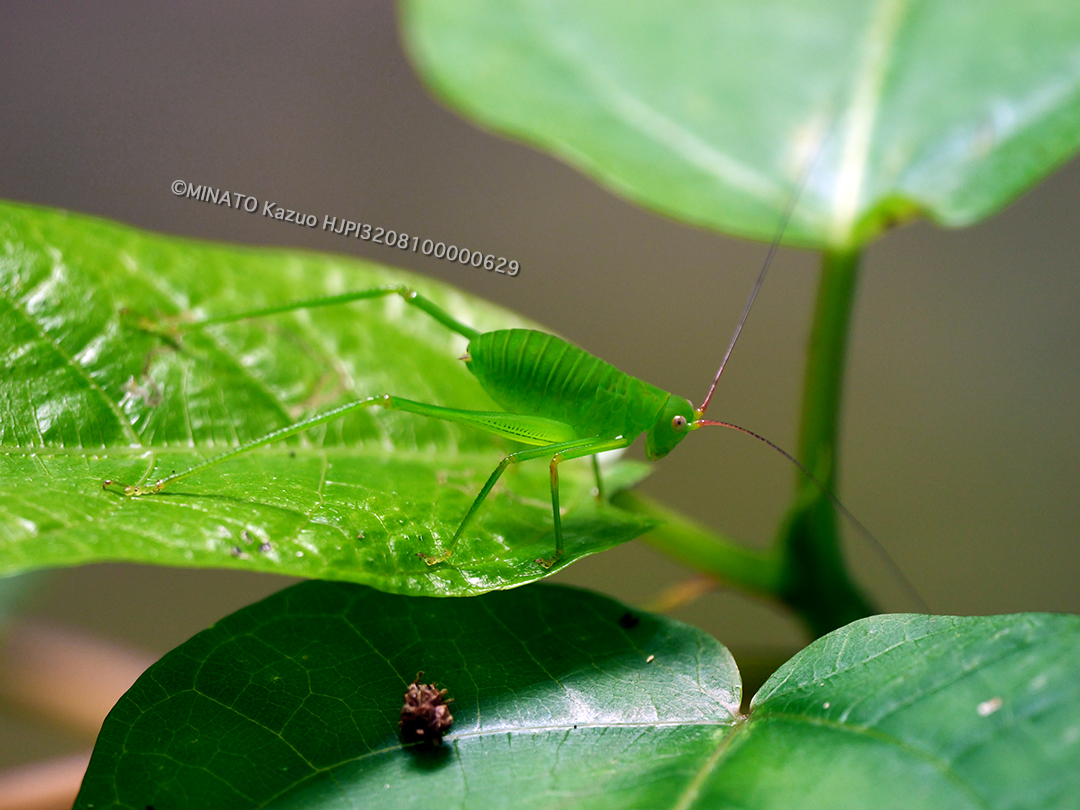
<point>712,112</point>
<point>565,699</point>
<point>96,388</point>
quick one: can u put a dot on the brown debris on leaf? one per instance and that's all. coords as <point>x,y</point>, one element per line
<point>425,715</point>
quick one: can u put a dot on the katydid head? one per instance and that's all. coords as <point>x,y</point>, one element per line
<point>670,427</point>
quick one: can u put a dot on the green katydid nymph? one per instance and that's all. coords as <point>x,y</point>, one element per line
<point>561,400</point>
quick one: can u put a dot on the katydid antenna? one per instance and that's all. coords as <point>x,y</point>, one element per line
<point>698,422</point>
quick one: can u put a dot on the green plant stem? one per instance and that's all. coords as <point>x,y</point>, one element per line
<point>806,569</point>
<point>816,581</point>
<point>826,356</point>
<point>755,572</point>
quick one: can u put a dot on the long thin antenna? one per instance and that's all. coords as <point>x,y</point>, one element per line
<point>875,544</point>
<point>785,219</point>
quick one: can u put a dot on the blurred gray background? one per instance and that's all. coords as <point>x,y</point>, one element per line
<point>961,447</point>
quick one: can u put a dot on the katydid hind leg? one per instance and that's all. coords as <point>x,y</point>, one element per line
<point>504,424</point>
<point>385,401</point>
<point>498,423</point>
<point>513,458</point>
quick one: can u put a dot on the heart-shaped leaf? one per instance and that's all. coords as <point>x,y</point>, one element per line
<point>565,699</point>
<point>712,112</point>
<point>96,387</point>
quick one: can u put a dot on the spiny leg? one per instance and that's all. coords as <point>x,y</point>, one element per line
<point>513,458</point>
<point>410,296</point>
<point>521,427</point>
<point>594,446</point>
<point>385,401</point>
<point>556,513</point>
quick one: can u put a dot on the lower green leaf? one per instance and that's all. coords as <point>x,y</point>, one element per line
<point>563,698</point>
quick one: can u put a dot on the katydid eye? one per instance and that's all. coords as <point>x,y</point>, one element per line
<point>679,422</point>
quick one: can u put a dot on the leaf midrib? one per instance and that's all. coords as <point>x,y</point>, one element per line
<point>862,112</point>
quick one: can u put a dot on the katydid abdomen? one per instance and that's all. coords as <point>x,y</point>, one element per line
<point>531,372</point>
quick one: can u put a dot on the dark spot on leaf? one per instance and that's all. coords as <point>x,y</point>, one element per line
<point>425,717</point>
<point>265,547</point>
<point>292,454</point>
<point>628,621</point>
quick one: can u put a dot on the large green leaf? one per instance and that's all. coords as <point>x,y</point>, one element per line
<point>90,393</point>
<point>561,700</point>
<point>711,110</point>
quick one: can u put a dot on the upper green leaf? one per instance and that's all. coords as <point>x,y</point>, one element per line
<point>95,387</point>
<point>712,112</point>
<point>564,699</point>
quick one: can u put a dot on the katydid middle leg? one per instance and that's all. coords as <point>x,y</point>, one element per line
<point>591,447</point>
<point>599,480</point>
